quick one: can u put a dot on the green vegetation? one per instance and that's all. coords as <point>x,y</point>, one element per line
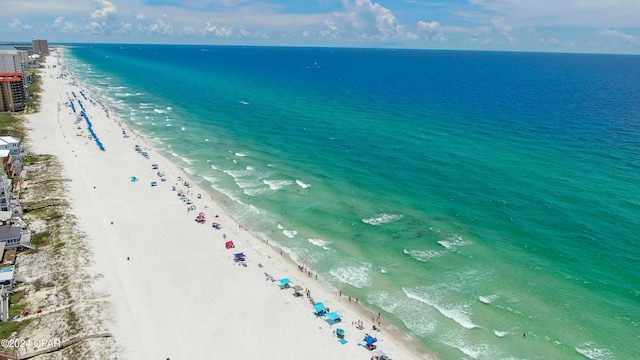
<point>12,125</point>
<point>16,308</point>
<point>33,91</point>
<point>40,239</point>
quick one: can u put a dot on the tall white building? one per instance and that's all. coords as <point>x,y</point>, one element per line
<point>40,47</point>
<point>11,61</point>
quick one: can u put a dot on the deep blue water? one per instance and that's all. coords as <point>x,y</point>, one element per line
<point>470,197</point>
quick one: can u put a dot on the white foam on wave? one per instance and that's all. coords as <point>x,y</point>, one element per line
<point>356,276</point>
<point>591,351</point>
<point>159,111</point>
<point>408,311</point>
<point>302,185</point>
<point>454,242</point>
<point>459,313</point>
<point>381,219</point>
<point>488,299</point>
<point>241,154</point>
<point>169,108</point>
<point>500,334</point>
<point>472,351</point>
<point>290,233</point>
<point>256,191</point>
<point>423,255</point>
<point>320,243</point>
<point>276,185</point>
<point>119,94</point>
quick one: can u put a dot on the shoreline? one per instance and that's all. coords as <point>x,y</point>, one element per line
<point>144,291</point>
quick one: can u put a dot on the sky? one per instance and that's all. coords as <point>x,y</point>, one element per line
<point>584,26</point>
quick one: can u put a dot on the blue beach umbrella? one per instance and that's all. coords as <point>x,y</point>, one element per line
<point>319,307</point>
<point>334,316</point>
<point>370,340</point>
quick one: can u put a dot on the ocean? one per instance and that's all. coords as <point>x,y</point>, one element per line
<point>470,197</point>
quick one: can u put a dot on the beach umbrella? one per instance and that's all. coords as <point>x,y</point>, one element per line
<point>319,307</point>
<point>334,316</point>
<point>285,281</point>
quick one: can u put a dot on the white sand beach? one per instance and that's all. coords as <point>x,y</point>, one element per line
<point>181,295</point>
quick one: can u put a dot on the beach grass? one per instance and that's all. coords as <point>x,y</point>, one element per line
<point>33,92</point>
<point>12,125</point>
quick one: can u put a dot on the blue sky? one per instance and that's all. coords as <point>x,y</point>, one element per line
<point>595,26</point>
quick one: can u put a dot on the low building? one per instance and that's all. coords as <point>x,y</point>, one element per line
<point>6,277</point>
<point>15,237</point>
<point>16,151</point>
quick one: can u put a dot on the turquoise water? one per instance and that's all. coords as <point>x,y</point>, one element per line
<point>470,197</point>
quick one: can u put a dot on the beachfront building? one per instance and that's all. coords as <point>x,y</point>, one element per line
<point>15,237</point>
<point>13,93</point>
<point>17,155</point>
<point>11,60</point>
<point>40,47</point>
<point>6,185</point>
<point>6,181</point>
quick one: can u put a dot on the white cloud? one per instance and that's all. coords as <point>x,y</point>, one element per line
<point>104,17</point>
<point>432,31</point>
<point>372,22</point>
<point>105,11</point>
<point>219,31</point>
<point>17,25</point>
<point>500,27</point>
<point>542,13</point>
<point>615,34</point>
<point>428,26</point>
<point>60,24</point>
<point>162,26</point>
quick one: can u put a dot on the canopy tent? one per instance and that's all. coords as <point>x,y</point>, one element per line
<point>319,308</point>
<point>370,339</point>
<point>229,244</point>
<point>297,290</point>
<point>239,257</point>
<point>340,332</point>
<point>334,316</point>
<point>284,283</point>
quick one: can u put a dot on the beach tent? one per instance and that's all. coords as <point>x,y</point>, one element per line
<point>229,244</point>
<point>284,283</point>
<point>297,290</point>
<point>334,316</point>
<point>340,333</point>
<point>319,308</point>
<point>239,257</point>
<point>370,341</point>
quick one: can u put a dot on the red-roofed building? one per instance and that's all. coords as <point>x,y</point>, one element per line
<point>12,92</point>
